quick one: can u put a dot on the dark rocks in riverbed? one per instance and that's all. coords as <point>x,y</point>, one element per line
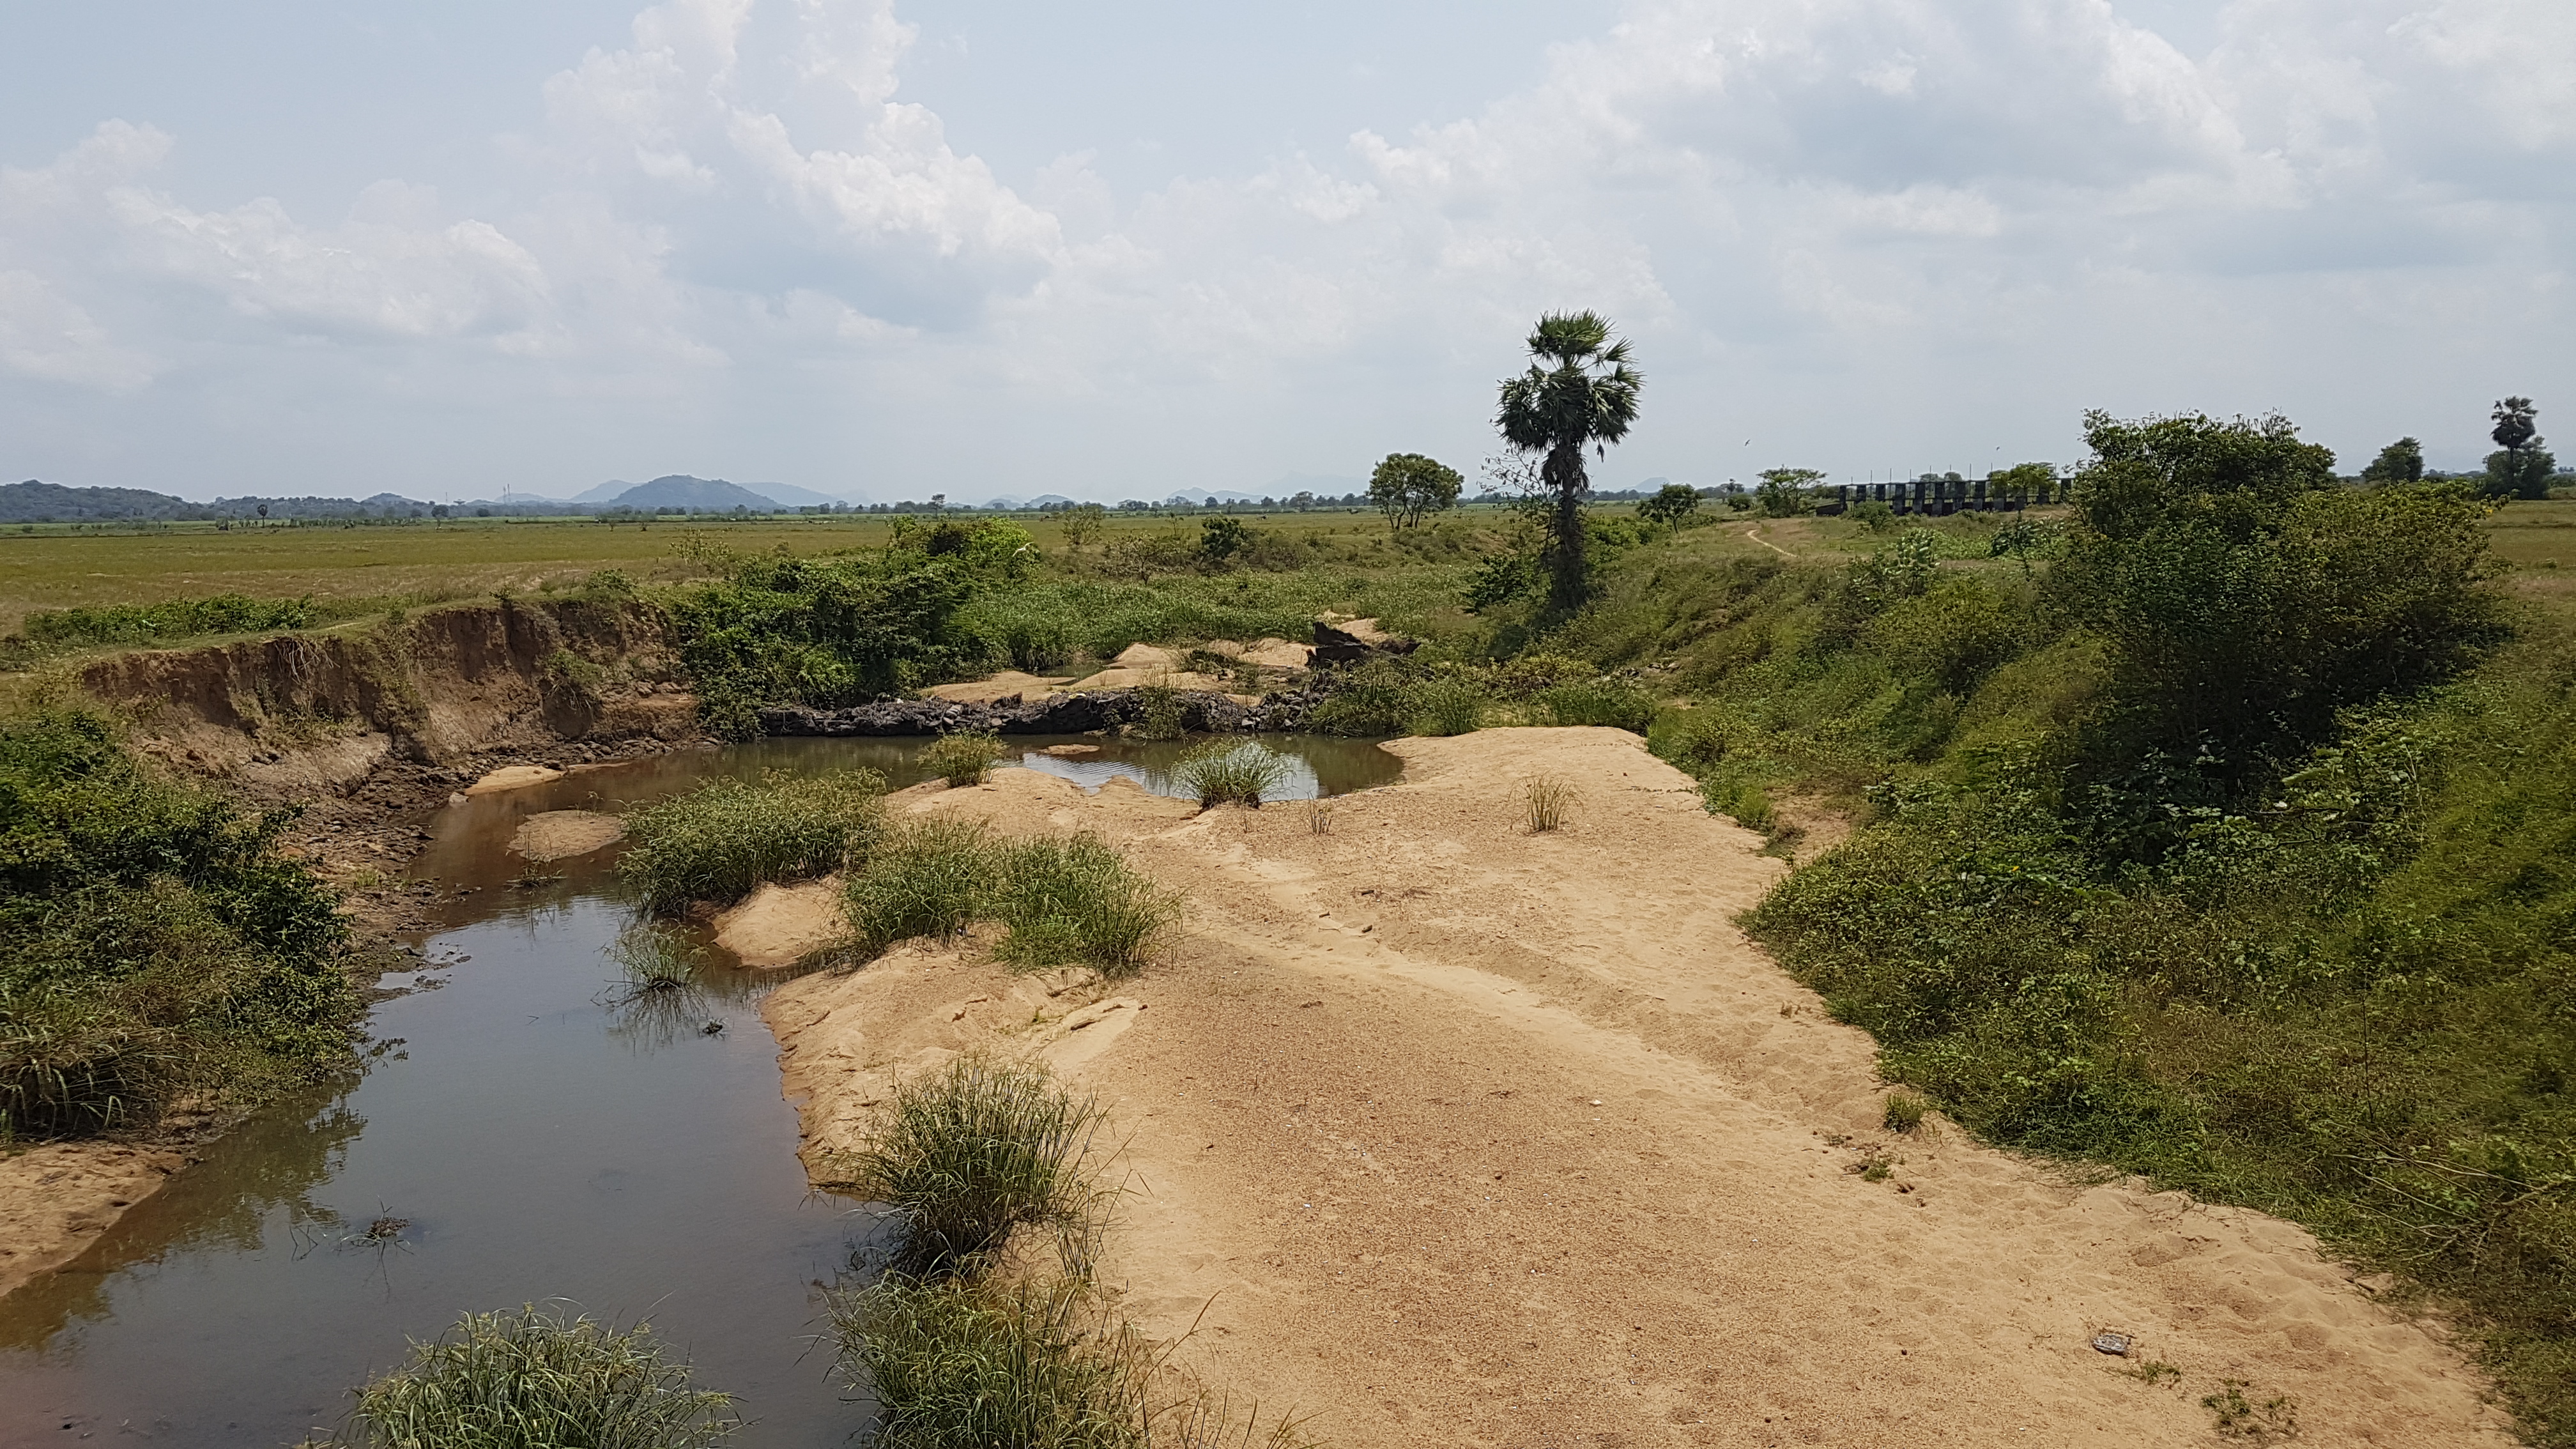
<point>1053,714</point>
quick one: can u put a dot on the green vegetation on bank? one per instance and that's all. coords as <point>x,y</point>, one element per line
<point>1062,902</point>
<point>725,840</point>
<point>155,947</point>
<point>2220,833</point>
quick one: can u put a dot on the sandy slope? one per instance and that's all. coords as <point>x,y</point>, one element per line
<point>1463,1136</point>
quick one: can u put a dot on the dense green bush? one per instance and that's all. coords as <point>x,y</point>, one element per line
<point>534,1380</point>
<point>171,619</point>
<point>1077,901</point>
<point>973,1153</point>
<point>957,1364</point>
<point>153,943</point>
<point>1221,771</point>
<point>721,842</point>
<point>930,878</point>
<point>1597,702</point>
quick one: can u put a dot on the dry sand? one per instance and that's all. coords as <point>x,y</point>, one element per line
<point>513,777</point>
<point>56,1198</point>
<point>562,834</point>
<point>1009,684</point>
<point>1451,1134</point>
<point>780,925</point>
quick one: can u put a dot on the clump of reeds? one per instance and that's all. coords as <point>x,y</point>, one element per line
<point>929,878</point>
<point>656,996</point>
<point>1543,802</point>
<point>1220,770</point>
<point>722,842</point>
<point>959,1356</point>
<point>1905,1111</point>
<point>534,1380</point>
<point>975,1152</point>
<point>1077,901</point>
<point>963,759</point>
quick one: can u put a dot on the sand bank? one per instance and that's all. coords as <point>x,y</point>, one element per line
<point>1460,1135</point>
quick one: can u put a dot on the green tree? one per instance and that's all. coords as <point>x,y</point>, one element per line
<point>1783,493</point>
<point>1407,486</point>
<point>2522,467</point>
<point>1082,523</point>
<point>1579,393</point>
<point>1672,506</point>
<point>2034,481</point>
<point>1221,539</point>
<point>2400,462</point>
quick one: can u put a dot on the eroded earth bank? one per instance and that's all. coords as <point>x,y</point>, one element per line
<point>1443,1132</point>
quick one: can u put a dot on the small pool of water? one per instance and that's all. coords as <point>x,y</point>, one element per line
<point>536,1141</point>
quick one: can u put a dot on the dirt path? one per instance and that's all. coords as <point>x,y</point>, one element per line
<point>1460,1135</point>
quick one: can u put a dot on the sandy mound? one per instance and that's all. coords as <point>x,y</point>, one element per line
<point>1009,684</point>
<point>56,1199</point>
<point>557,834</point>
<point>782,925</point>
<point>1460,1135</point>
<point>513,777</point>
<point>1275,652</point>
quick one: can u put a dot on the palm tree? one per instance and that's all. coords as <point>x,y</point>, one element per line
<point>1579,392</point>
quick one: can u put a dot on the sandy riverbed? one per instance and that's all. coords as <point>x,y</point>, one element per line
<point>1450,1134</point>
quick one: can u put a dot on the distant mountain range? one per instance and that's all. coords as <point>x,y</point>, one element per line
<point>679,490</point>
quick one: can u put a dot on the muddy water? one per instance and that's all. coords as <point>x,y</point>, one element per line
<point>531,1142</point>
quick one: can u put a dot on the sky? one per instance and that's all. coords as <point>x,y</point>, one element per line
<point>890,248</point>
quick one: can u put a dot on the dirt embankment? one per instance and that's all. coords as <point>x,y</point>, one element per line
<point>1452,1134</point>
<point>360,727</point>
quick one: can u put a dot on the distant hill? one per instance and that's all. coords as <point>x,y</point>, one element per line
<point>794,497</point>
<point>35,502</point>
<point>669,493</point>
<point>1322,485</point>
<point>679,490</point>
<point>605,493</point>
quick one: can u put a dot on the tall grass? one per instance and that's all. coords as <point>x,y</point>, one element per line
<point>962,759</point>
<point>535,1380</point>
<point>1543,802</point>
<point>656,996</point>
<point>929,878</point>
<point>722,842</point>
<point>1597,702</point>
<point>975,1152</point>
<point>1078,901</point>
<point>1220,771</point>
<point>962,1365</point>
<point>1450,706</point>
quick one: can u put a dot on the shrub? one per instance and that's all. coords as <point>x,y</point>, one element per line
<point>930,878</point>
<point>722,842</point>
<point>1372,697</point>
<point>963,760</point>
<point>1447,706</point>
<point>970,1154</point>
<point>1598,702</point>
<point>1076,900</point>
<point>153,944</point>
<point>1220,770</point>
<point>960,1365</point>
<point>1905,1111</point>
<point>531,1380</point>
<point>1160,712</point>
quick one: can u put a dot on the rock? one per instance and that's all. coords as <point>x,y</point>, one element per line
<point>1070,750</point>
<point>1354,640</point>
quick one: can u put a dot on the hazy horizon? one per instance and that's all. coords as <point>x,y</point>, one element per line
<point>895,249</point>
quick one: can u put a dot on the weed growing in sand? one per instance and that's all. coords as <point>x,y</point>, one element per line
<point>1076,900</point>
<point>1905,1111</point>
<point>1543,802</point>
<point>962,759</point>
<point>1221,770</point>
<point>722,842</point>
<point>957,1363</point>
<point>972,1153</point>
<point>531,1378</point>
<point>930,878</point>
<point>2153,1371</point>
<point>1319,817</point>
<point>2268,1422</point>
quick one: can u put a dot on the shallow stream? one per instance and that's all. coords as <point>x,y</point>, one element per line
<point>531,1143</point>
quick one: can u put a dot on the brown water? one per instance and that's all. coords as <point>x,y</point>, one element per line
<point>536,1144</point>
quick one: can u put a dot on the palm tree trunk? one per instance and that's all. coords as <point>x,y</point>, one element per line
<point>1564,476</point>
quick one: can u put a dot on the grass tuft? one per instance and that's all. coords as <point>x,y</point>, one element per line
<point>722,842</point>
<point>533,1380</point>
<point>1220,771</point>
<point>1543,802</point>
<point>1597,702</point>
<point>963,759</point>
<point>1319,817</point>
<point>959,1365</point>
<point>929,878</point>
<point>1448,706</point>
<point>1078,901</point>
<point>1905,1111</point>
<point>972,1153</point>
